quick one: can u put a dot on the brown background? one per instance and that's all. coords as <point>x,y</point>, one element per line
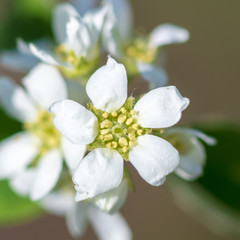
<point>206,70</point>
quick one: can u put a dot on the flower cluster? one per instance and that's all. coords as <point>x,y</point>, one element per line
<point>79,125</point>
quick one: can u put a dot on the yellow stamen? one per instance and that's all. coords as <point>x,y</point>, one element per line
<point>105,115</point>
<point>129,121</point>
<point>105,131</point>
<point>106,124</point>
<point>114,114</point>
<point>123,142</point>
<point>121,118</point>
<point>108,137</point>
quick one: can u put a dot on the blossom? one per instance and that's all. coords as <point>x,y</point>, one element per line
<point>115,128</point>
<point>77,54</point>
<point>79,214</point>
<point>191,150</point>
<point>139,53</point>
<point>33,159</point>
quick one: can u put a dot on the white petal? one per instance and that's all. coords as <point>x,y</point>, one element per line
<point>83,6</point>
<point>22,182</point>
<point>58,203</point>
<point>167,34</point>
<point>75,122</point>
<point>45,85</point>
<point>48,172</point>
<point>73,153</point>
<point>191,150</point>
<point>107,87</point>
<point>61,15</point>
<point>16,152</point>
<point>122,16</point>
<point>15,101</point>
<point>161,107</point>
<point>77,92</point>
<point>156,76</point>
<point>46,56</point>
<point>192,162</point>
<point>77,219</point>
<point>112,201</point>
<point>16,61</point>
<point>100,171</point>
<point>109,227</point>
<point>154,158</point>
<point>204,137</point>
<point>96,17</point>
<point>82,37</point>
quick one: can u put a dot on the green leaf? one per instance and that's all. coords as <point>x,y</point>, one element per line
<point>13,209</point>
<point>222,171</point>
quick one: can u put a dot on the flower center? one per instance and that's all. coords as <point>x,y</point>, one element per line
<point>140,50</point>
<point>82,67</point>
<point>44,129</point>
<point>117,130</point>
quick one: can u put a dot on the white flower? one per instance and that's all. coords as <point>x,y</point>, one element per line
<point>79,214</point>
<point>139,54</point>
<point>114,129</point>
<point>78,41</point>
<point>191,150</point>
<point>32,159</point>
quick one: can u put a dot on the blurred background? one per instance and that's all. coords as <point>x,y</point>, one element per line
<point>206,70</point>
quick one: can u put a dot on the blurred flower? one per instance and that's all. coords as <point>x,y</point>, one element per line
<point>191,150</point>
<point>138,53</point>
<point>79,214</point>
<point>114,129</point>
<point>32,159</point>
<point>77,54</point>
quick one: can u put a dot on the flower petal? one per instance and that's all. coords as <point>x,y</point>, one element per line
<point>112,201</point>
<point>191,150</point>
<point>45,85</point>
<point>48,173</point>
<point>96,17</point>
<point>58,203</point>
<point>100,171</point>
<point>16,152</point>
<point>160,108</point>
<point>73,153</point>
<point>75,122</point>
<point>46,56</point>
<point>82,37</point>
<point>22,182</point>
<point>156,76</point>
<point>154,158</point>
<point>121,15</point>
<point>16,61</point>
<point>77,219</point>
<point>107,87</point>
<point>109,227</point>
<point>167,34</point>
<point>61,16</point>
<point>15,101</point>
<point>83,6</point>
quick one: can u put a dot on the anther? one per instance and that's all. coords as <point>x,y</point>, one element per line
<point>121,118</point>
<point>131,143</point>
<point>114,144</point>
<point>105,131</point>
<point>132,112</point>
<point>131,135</point>
<point>105,115</point>
<point>123,142</point>
<point>114,114</point>
<point>123,110</point>
<point>139,132</point>
<point>129,121</point>
<point>109,145</point>
<point>106,124</point>
<point>108,137</point>
<point>135,126</point>
<point>125,149</point>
